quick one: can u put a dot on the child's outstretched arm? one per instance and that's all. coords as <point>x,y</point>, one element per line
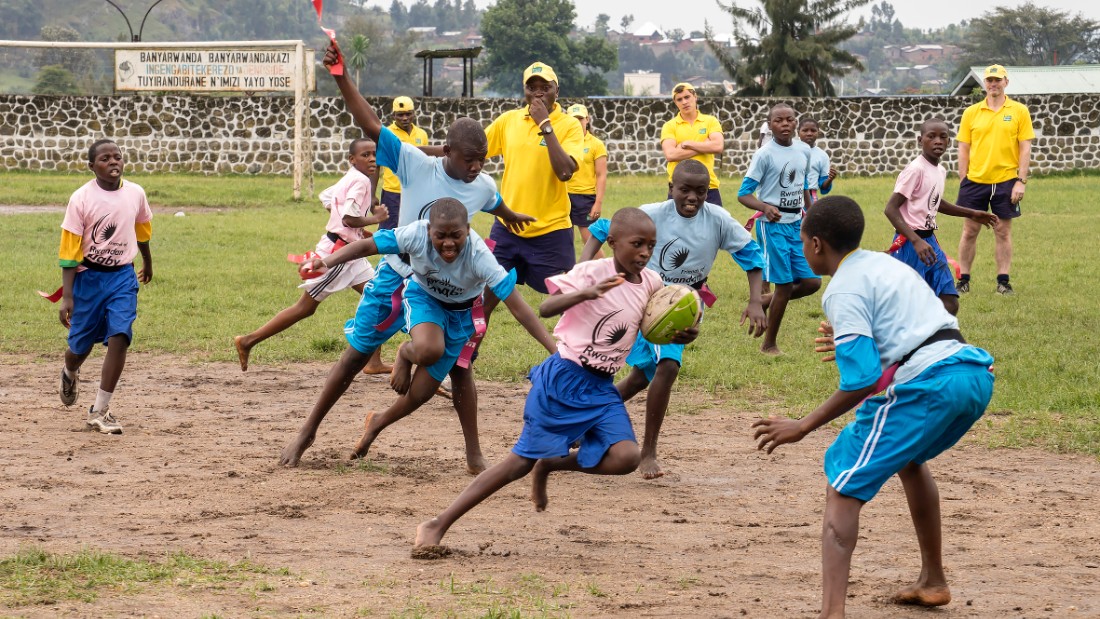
<point>924,250</point>
<point>775,431</point>
<point>988,220</point>
<point>754,310</point>
<point>526,317</point>
<point>360,110</point>
<point>557,303</point>
<point>359,249</point>
<point>515,222</point>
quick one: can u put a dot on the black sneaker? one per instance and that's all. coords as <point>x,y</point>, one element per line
<point>1005,288</point>
<point>963,286</point>
<point>68,388</point>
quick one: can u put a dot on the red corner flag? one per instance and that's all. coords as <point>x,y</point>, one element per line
<point>338,68</point>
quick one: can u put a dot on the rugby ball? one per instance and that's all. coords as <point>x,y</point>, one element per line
<point>671,309</point>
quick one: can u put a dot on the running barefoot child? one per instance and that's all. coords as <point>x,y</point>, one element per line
<point>883,314</point>
<point>912,208</point>
<point>690,234</point>
<point>777,177</point>
<point>107,222</point>
<point>349,206</point>
<point>451,266</point>
<point>573,396</point>
<point>821,174</point>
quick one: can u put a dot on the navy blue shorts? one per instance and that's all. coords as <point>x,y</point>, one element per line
<point>938,275</point>
<point>104,305</point>
<point>580,205</point>
<point>713,196</point>
<point>981,197</point>
<point>535,258</point>
<point>391,201</point>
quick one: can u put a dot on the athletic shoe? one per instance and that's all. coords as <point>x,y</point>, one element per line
<point>445,388</point>
<point>963,286</point>
<point>1005,289</point>
<point>68,388</point>
<point>103,421</point>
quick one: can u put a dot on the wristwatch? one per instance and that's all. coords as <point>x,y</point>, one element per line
<point>1022,180</point>
<point>549,128</point>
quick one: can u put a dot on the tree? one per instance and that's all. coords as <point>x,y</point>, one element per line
<point>625,22</point>
<point>399,15</point>
<point>519,32</point>
<point>390,68</point>
<point>357,54</point>
<point>788,47</point>
<point>1030,35</point>
<point>55,80</point>
<point>603,22</point>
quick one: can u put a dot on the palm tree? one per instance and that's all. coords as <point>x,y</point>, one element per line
<point>788,47</point>
<point>357,54</point>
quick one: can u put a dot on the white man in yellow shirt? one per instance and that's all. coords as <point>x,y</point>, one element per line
<point>404,127</point>
<point>692,135</point>
<point>586,188</point>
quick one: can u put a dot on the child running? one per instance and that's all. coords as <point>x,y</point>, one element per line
<point>821,173</point>
<point>450,265</point>
<point>348,203</point>
<point>912,208</point>
<point>777,175</point>
<point>573,396</point>
<point>690,234</point>
<point>882,314</point>
<point>107,223</point>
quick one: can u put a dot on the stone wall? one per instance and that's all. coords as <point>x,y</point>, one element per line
<point>253,135</point>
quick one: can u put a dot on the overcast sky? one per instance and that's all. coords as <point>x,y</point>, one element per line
<point>923,14</point>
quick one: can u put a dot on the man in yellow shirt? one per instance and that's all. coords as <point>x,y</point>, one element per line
<point>994,155</point>
<point>692,135</point>
<point>586,188</point>
<point>541,146</point>
<point>404,128</point>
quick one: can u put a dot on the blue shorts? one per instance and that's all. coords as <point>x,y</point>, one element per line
<point>982,197</point>
<point>713,196</point>
<point>374,307</point>
<point>392,202</point>
<point>457,325</point>
<point>783,259</point>
<point>912,422</point>
<point>535,258</point>
<point>938,275</point>
<point>580,205</point>
<point>568,403</point>
<point>645,355</point>
<point>104,305</point>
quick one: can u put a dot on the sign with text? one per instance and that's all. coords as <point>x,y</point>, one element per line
<point>207,70</point>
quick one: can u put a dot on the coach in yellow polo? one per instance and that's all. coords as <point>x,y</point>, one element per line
<point>994,155</point>
<point>692,135</point>
<point>541,146</point>
<point>404,127</point>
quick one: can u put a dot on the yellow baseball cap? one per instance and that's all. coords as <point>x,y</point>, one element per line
<point>996,70</point>
<point>682,86</point>
<point>578,110</point>
<point>403,104</point>
<point>540,70</point>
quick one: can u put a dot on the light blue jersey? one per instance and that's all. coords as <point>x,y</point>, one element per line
<point>778,174</point>
<point>687,246</point>
<point>819,169</point>
<point>873,295</point>
<point>423,181</point>
<point>460,281</point>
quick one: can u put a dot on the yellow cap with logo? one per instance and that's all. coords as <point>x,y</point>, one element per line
<point>996,70</point>
<point>403,104</point>
<point>578,110</point>
<point>539,69</point>
<point>682,86</point>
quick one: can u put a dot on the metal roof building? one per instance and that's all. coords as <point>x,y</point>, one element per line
<point>1061,79</point>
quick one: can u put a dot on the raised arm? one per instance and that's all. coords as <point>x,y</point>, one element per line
<point>357,106</point>
<point>560,161</point>
<point>557,303</point>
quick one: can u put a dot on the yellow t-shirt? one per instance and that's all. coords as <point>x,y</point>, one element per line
<point>416,137</point>
<point>529,185</point>
<point>994,138</point>
<point>682,131</point>
<point>584,179</point>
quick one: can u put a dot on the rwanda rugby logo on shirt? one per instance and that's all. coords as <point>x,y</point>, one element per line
<point>608,334</point>
<point>671,260</point>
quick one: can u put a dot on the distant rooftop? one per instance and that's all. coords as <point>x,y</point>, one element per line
<point>1062,79</point>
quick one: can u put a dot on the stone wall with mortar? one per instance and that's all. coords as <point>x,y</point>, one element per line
<point>253,135</point>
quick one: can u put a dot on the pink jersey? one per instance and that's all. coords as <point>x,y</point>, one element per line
<point>104,220</point>
<point>599,333</point>
<point>921,183</point>
<point>351,195</point>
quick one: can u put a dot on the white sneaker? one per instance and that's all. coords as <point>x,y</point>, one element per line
<point>103,421</point>
<point>445,388</point>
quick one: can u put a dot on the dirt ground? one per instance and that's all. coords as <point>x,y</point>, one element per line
<point>728,532</point>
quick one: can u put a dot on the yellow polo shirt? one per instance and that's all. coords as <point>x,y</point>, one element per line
<point>416,137</point>
<point>682,131</point>
<point>529,185</point>
<point>994,138</point>
<point>584,180</point>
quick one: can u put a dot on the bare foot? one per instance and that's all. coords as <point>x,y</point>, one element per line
<point>292,453</point>
<point>363,446</point>
<point>649,468</point>
<point>378,368</point>
<point>401,376</point>
<point>920,594</point>
<point>242,352</point>
<point>539,475</point>
<point>475,464</point>
<point>772,350</point>
<point>428,533</point>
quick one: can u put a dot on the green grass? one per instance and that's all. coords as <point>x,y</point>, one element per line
<point>223,272</point>
<point>35,577</point>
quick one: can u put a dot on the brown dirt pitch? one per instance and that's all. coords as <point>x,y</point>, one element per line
<point>728,532</point>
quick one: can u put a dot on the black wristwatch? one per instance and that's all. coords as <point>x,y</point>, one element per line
<point>548,131</point>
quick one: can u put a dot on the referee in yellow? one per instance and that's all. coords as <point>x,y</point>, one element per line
<point>692,135</point>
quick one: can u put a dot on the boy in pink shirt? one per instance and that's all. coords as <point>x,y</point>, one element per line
<point>912,208</point>
<point>573,396</point>
<point>107,222</point>
<point>349,206</point>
